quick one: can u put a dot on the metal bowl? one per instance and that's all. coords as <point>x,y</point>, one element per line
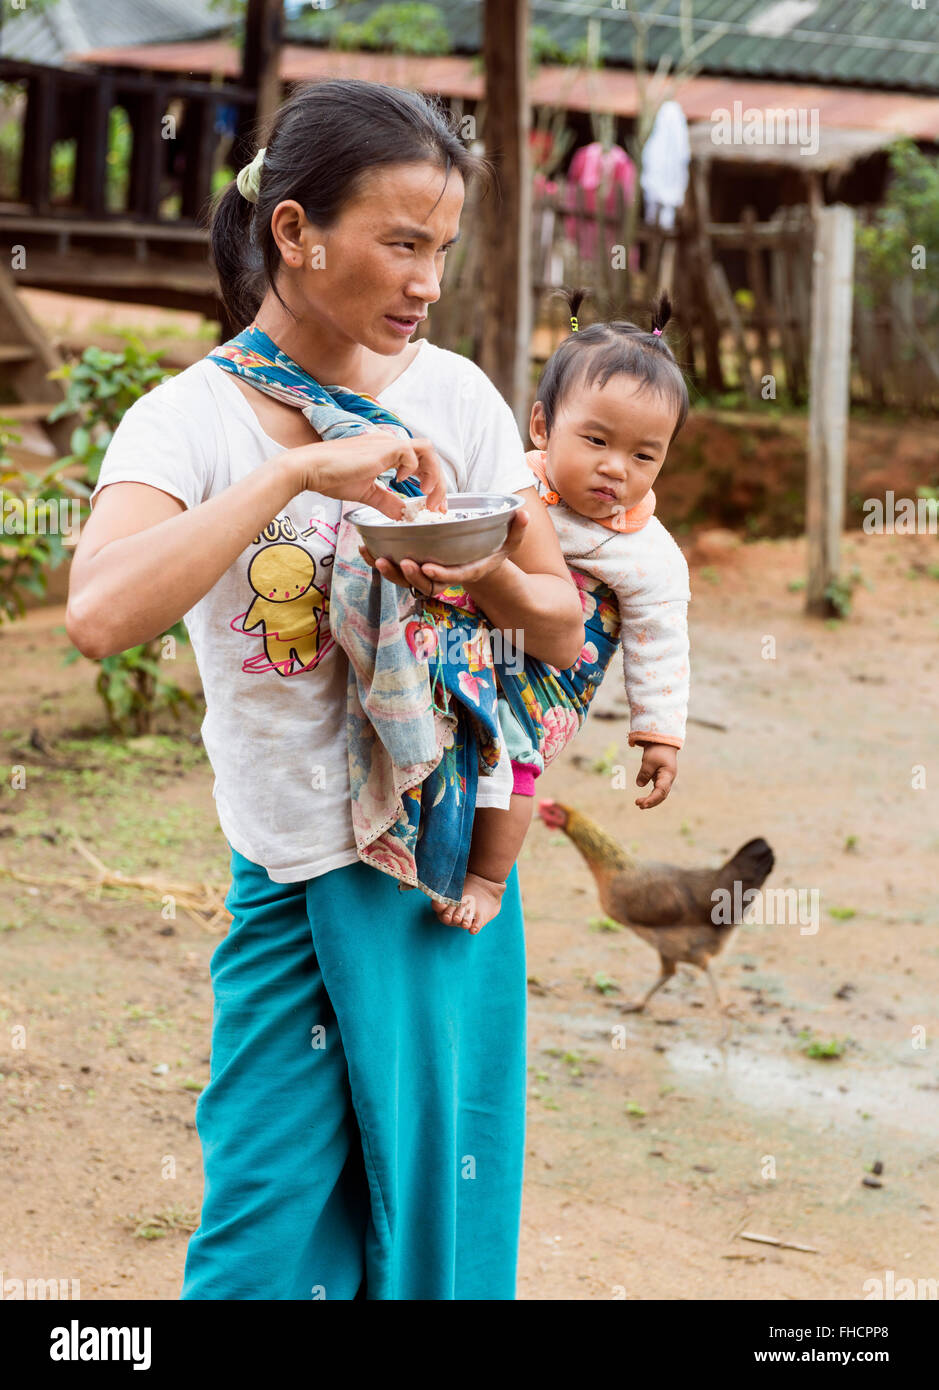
<point>445,542</point>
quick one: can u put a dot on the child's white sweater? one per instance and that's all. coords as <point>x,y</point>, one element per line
<point>649,575</point>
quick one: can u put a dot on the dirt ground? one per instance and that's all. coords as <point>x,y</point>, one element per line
<point>644,1161</point>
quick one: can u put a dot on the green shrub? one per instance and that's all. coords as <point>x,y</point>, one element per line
<point>32,543</point>
<point>100,387</point>
<point>134,688</point>
<point>908,217</point>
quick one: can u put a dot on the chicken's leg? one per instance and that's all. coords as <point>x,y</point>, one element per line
<point>724,1010</point>
<point>667,971</point>
<point>714,990</point>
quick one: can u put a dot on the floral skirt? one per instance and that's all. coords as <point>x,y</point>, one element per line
<point>542,708</point>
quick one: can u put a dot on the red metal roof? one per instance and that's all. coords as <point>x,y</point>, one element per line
<point>576,89</point>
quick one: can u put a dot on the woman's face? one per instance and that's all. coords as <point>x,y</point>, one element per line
<point>370,277</point>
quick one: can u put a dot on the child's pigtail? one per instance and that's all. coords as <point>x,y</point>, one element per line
<point>574,298</point>
<point>661,313</point>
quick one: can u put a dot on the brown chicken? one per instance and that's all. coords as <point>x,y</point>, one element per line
<point>668,907</point>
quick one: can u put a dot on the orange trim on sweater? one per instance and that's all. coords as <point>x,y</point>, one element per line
<point>633,520</point>
<point>643,736</point>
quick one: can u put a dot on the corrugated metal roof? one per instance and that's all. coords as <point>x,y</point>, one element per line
<point>612,89</point>
<point>879,43</point>
<point>48,34</point>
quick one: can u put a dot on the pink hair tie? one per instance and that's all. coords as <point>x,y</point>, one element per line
<point>656,332</point>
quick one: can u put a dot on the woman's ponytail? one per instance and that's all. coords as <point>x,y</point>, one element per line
<point>238,261</point>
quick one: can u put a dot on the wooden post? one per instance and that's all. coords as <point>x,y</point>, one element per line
<point>829,383</point>
<point>506,220</point>
<point>260,71</point>
<point>199,145</point>
<point>757,281</point>
<point>36,154</point>
<point>91,175</point>
<point>710,325</point>
<point>722,298</point>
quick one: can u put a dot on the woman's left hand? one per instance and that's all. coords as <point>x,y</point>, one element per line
<point>430,577</point>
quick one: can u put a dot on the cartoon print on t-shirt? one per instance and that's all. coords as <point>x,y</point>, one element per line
<point>289,607</point>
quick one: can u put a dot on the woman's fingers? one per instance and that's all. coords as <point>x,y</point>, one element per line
<point>409,458</point>
<point>429,474</point>
<point>396,573</point>
<point>416,576</point>
<point>391,504</point>
<point>351,469</point>
<point>389,570</point>
<point>517,527</point>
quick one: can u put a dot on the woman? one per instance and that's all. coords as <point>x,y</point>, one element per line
<point>362,1129</point>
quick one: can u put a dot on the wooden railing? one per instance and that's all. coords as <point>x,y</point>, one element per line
<point>178,140</point>
<point>741,293</point>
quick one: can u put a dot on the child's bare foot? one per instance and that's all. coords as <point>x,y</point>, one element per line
<point>479,903</point>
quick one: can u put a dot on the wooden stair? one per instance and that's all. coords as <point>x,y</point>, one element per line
<point>26,413</point>
<point>26,358</point>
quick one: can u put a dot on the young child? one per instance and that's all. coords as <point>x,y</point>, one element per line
<point>610,401</point>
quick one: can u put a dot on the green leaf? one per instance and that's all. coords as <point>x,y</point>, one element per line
<point>80,440</point>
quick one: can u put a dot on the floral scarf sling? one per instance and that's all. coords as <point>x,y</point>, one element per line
<point>417,743</point>
<point>551,705</point>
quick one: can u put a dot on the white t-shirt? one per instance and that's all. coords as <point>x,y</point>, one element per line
<point>274,728</point>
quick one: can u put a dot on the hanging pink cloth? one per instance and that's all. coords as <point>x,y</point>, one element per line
<point>590,167</point>
<point>540,149</point>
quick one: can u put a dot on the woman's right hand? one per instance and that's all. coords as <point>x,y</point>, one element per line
<point>348,469</point>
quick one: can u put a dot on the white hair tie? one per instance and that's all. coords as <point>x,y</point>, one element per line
<point>249,179</point>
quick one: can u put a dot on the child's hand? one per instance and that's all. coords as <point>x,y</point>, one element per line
<point>660,767</point>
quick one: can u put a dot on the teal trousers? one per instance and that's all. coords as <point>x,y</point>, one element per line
<point>362,1130</point>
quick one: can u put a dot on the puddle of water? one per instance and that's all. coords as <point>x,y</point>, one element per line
<point>768,1081</point>
<point>764,1079</point>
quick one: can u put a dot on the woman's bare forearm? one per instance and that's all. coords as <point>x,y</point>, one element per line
<point>136,587</point>
<point>541,613</point>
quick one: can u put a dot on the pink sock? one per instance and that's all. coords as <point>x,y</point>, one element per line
<point>524,775</point>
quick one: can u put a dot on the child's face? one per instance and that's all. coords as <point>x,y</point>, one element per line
<point>607,444</point>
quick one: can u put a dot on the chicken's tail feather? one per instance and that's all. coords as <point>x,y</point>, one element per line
<point>753,862</point>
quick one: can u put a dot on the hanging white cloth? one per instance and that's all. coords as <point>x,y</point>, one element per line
<point>665,158</point>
